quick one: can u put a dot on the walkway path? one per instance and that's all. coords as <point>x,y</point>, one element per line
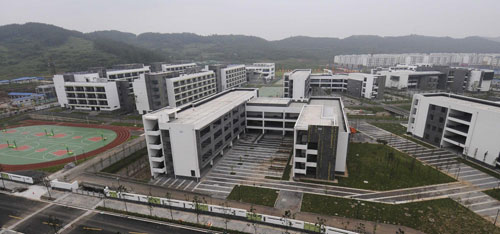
<point>467,191</point>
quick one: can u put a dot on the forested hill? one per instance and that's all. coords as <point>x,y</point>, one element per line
<point>41,49</point>
<point>35,49</point>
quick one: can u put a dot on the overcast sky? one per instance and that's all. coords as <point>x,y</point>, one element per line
<point>270,19</point>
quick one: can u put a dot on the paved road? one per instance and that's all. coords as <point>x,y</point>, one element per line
<point>103,224</point>
<point>36,217</point>
<point>44,221</point>
<point>12,209</point>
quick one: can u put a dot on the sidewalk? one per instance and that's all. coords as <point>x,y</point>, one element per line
<point>215,221</point>
<point>338,222</point>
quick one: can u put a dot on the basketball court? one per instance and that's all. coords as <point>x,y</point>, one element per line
<point>45,143</point>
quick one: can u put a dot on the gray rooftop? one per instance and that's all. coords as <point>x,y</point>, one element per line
<point>208,110</point>
<point>326,112</point>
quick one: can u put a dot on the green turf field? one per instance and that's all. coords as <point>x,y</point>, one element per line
<point>34,146</point>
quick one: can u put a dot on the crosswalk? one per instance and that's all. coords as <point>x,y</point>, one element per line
<point>468,191</point>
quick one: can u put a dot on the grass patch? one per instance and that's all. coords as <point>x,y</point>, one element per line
<point>494,193</point>
<point>479,167</point>
<point>435,216</point>
<point>117,166</point>
<point>400,130</point>
<point>254,195</point>
<point>132,137</point>
<point>385,169</point>
<point>272,177</point>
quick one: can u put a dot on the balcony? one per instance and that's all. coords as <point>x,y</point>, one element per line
<point>159,170</point>
<point>155,146</point>
<point>157,159</point>
<point>153,133</point>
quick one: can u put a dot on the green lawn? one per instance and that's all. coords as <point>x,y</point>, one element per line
<point>434,216</point>
<point>385,168</point>
<point>117,166</point>
<point>400,130</point>
<point>494,193</point>
<point>254,195</point>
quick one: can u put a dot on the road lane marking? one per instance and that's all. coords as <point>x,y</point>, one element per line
<point>15,217</point>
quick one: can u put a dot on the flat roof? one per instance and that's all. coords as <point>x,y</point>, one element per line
<point>208,110</point>
<point>325,112</point>
<point>270,101</point>
<point>474,103</point>
<point>300,74</point>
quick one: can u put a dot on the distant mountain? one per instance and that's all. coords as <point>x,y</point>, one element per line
<point>497,39</point>
<point>41,49</point>
<point>243,48</point>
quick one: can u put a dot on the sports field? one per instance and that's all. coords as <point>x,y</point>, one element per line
<point>46,143</point>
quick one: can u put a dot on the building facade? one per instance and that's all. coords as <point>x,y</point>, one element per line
<point>87,91</point>
<point>188,88</point>
<point>265,71</point>
<point>184,68</point>
<point>458,123</point>
<point>296,84</point>
<point>185,141</point>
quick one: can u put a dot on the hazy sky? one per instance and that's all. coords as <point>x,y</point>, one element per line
<point>270,19</point>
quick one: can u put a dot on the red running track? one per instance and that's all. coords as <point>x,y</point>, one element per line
<point>122,135</point>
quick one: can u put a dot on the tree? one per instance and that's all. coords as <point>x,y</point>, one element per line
<point>320,225</point>
<point>286,218</point>
<point>121,189</point>
<point>1,177</point>
<point>169,197</point>
<point>150,203</point>
<point>198,206</point>
<point>253,219</point>
<point>227,215</point>
<point>46,182</point>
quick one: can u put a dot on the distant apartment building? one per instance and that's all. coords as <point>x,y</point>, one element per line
<point>188,88</point>
<point>99,89</point>
<point>459,80</point>
<point>48,90</point>
<point>183,68</point>
<point>385,60</point>
<point>264,71</point>
<point>87,91</point>
<point>298,85</point>
<point>185,141</point>
<point>151,91</point>
<point>410,79</point>
<point>460,124</point>
<point>362,85</point>
<point>228,76</point>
